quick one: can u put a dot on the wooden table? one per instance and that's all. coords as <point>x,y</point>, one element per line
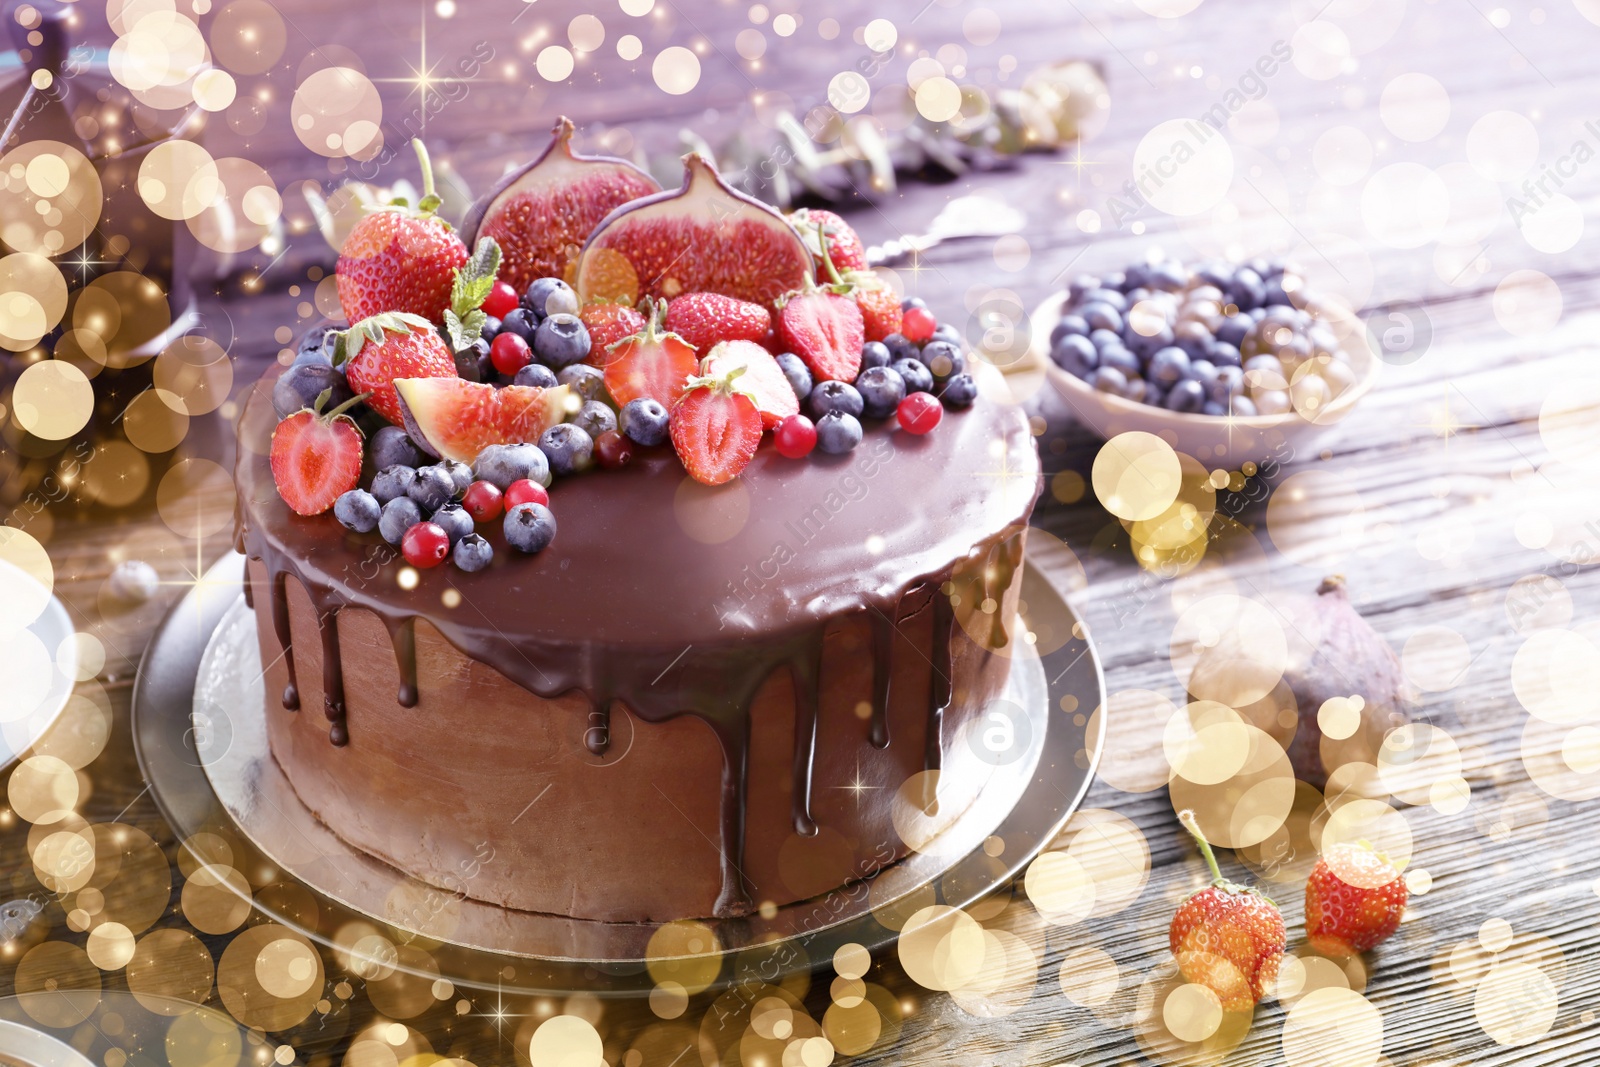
<point>1460,499</point>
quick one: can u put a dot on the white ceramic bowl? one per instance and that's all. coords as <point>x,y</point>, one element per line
<point>1214,440</point>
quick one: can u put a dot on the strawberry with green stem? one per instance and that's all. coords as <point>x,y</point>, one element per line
<point>654,362</point>
<point>316,456</point>
<point>396,344</point>
<point>823,326</point>
<point>1227,937</point>
<point>880,308</point>
<point>715,427</point>
<point>400,258</point>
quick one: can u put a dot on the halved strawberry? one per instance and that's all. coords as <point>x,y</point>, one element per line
<point>316,456</point>
<point>703,319</point>
<point>396,344</point>
<point>400,258</point>
<point>455,419</point>
<point>843,245</point>
<point>825,330</point>
<point>716,428</point>
<point>650,363</point>
<point>608,324</point>
<point>763,379</point>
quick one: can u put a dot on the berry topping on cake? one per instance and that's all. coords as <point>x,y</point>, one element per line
<point>501,301</point>
<point>716,428</point>
<point>316,456</point>
<point>510,353</point>
<point>880,310</point>
<point>395,344</point>
<point>612,450</point>
<point>400,258</point>
<point>425,544</point>
<point>300,385</point>
<point>838,432</point>
<point>651,363</point>
<point>882,389</point>
<point>560,340</point>
<point>529,527</point>
<point>357,510</point>
<point>795,437</point>
<point>643,421</point>
<point>917,325</point>
<point>704,237</point>
<point>483,501</point>
<point>472,553</point>
<point>763,379</point>
<point>543,213</point>
<point>825,330</point>
<point>526,491</point>
<point>704,319</point>
<point>608,323</point>
<point>500,465</point>
<point>399,515</point>
<point>919,413</point>
<point>843,246</point>
<point>456,419</point>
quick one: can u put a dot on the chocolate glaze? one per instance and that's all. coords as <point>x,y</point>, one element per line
<point>677,599</point>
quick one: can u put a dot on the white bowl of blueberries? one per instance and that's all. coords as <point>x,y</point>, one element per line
<point>1228,362</point>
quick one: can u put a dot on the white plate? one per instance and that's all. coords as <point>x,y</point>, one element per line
<point>1214,440</point>
<point>21,729</point>
<point>37,1048</point>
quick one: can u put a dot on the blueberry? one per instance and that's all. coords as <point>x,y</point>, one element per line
<point>561,340</point>
<point>1122,361</point>
<point>1104,339</point>
<point>1229,381</point>
<point>1169,276</point>
<point>1101,316</point>
<point>312,355</point>
<point>1115,280</point>
<point>881,390</point>
<point>959,392</point>
<point>873,354</point>
<point>1075,354</point>
<point>1234,329</point>
<point>1243,405</point>
<point>1154,395</point>
<point>392,482</point>
<point>530,527</point>
<point>1185,396</point>
<point>912,302</point>
<point>1168,365</point>
<point>644,421</point>
<point>588,382</point>
<point>918,378</point>
<point>1223,354</point>
<point>1216,273</point>
<point>1136,276</point>
<point>538,375</point>
<point>1275,295</point>
<point>389,447</point>
<point>568,448</point>
<point>1213,408</point>
<point>943,359</point>
<point>1202,371</point>
<point>504,464</point>
<point>315,342</point>
<point>838,432</point>
<point>521,322</point>
<point>1145,345</point>
<point>1193,338</point>
<point>900,347</point>
<point>834,396</point>
<point>1083,283</point>
<point>539,292</point>
<point>490,328</point>
<point>453,520</point>
<point>1069,324</point>
<point>595,418</point>
<point>470,362</point>
<point>432,488</point>
<point>357,510</point>
<point>1246,290</point>
<point>1108,380</point>
<point>472,553</point>
<point>794,368</point>
<point>399,515</point>
<point>460,474</point>
<point>561,302</point>
<point>300,385</point>
<point>1110,297</point>
<point>946,331</point>
<point>1137,389</point>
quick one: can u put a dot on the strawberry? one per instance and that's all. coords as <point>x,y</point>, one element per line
<point>880,310</point>
<point>396,344</point>
<point>650,363</point>
<point>825,330</point>
<point>608,324</point>
<point>715,428</point>
<point>1354,899</point>
<point>1227,937</point>
<point>842,246</point>
<point>400,258</point>
<point>703,319</point>
<point>763,379</point>
<point>316,456</point>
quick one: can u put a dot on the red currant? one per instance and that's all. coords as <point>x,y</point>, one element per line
<point>795,437</point>
<point>501,301</point>
<point>425,544</point>
<point>919,413</point>
<point>612,450</point>
<point>525,491</point>
<point>483,502</point>
<point>918,324</point>
<point>509,353</point>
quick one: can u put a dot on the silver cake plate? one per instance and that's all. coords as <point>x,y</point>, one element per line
<point>200,734</point>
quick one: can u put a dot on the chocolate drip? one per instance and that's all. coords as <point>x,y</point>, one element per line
<point>805,671</point>
<point>332,675</point>
<point>280,624</point>
<point>734,896</point>
<point>249,595</point>
<point>403,635</point>
<point>884,630</point>
<point>939,693</point>
<point>597,738</point>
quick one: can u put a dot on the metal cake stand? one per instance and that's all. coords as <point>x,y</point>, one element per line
<point>200,735</point>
